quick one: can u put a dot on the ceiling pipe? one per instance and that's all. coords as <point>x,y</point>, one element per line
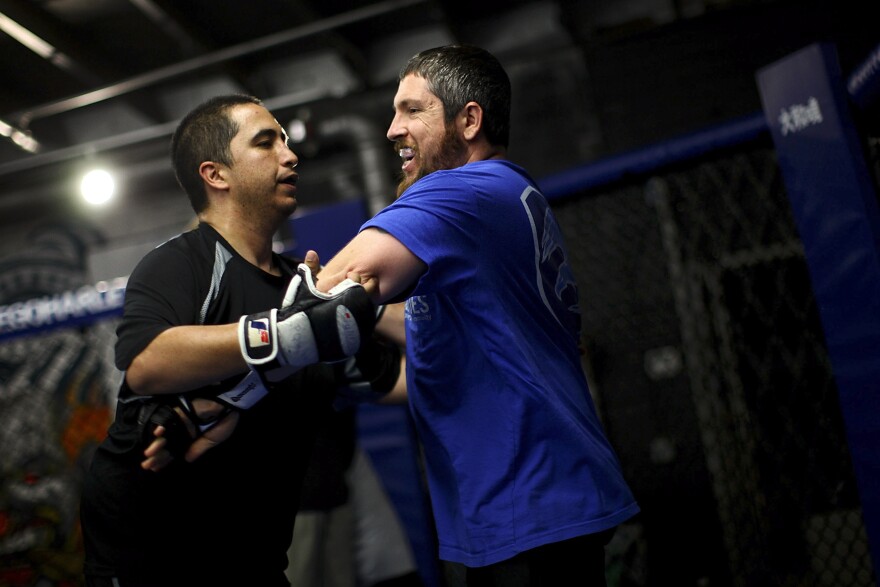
<point>368,141</point>
<point>24,117</point>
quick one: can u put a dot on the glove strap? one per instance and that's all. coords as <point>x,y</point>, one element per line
<point>258,337</point>
<point>246,392</point>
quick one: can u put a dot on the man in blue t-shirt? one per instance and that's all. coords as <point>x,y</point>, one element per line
<point>525,487</point>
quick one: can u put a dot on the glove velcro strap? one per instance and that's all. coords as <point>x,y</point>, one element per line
<point>330,330</point>
<point>258,337</point>
<point>298,347</point>
<point>246,392</point>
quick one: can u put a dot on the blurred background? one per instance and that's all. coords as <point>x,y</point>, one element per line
<point>642,119</point>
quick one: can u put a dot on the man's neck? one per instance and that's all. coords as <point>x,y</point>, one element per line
<point>482,151</point>
<point>253,243</point>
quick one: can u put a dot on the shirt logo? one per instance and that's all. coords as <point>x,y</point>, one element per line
<point>553,275</point>
<point>417,309</point>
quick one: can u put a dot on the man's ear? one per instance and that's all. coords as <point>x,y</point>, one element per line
<point>472,114</point>
<point>213,174</point>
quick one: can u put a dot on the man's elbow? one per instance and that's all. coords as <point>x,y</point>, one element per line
<point>141,378</point>
<point>371,284</point>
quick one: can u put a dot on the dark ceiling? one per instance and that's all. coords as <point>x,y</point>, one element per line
<point>116,75</point>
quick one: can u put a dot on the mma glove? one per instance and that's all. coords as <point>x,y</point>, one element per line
<point>159,413</point>
<point>166,411</point>
<point>310,327</point>
<point>369,375</point>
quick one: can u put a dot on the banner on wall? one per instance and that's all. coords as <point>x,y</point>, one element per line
<point>67,309</point>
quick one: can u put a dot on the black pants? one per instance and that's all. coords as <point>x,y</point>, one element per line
<point>578,562</point>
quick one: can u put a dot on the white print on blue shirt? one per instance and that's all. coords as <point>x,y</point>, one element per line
<point>553,274</point>
<point>417,309</point>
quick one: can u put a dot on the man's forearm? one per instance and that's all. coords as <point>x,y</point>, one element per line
<point>183,358</point>
<point>381,263</point>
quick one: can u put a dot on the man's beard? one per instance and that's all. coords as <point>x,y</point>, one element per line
<point>449,156</point>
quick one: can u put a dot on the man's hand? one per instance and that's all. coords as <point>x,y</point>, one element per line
<point>313,263</point>
<point>165,443</point>
<point>159,455</point>
<point>212,437</point>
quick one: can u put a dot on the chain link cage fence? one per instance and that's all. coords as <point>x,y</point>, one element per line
<point>705,355</point>
<point>56,392</point>
<point>707,359</point>
<point>55,406</point>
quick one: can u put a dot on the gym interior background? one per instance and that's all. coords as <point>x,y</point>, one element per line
<point>707,350</point>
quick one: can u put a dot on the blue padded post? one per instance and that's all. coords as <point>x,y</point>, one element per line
<point>834,202</point>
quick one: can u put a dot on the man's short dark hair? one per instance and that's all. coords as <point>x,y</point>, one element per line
<point>204,134</point>
<point>458,74</point>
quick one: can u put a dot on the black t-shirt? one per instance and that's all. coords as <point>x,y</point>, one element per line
<point>227,518</point>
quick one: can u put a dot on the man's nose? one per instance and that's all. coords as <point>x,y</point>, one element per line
<point>395,131</point>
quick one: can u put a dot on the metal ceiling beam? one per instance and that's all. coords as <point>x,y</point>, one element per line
<point>190,42</point>
<point>168,24</point>
<point>44,34</point>
<point>37,31</point>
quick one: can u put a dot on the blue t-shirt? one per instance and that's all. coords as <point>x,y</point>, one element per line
<point>515,454</point>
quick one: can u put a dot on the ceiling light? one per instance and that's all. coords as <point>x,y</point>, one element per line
<point>97,187</point>
<point>297,130</point>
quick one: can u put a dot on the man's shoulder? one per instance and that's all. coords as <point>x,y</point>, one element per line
<point>485,170</point>
<point>196,243</point>
<point>187,250</point>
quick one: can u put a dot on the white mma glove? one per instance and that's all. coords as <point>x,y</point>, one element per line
<point>310,327</point>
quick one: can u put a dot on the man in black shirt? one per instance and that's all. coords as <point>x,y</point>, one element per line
<point>196,314</point>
